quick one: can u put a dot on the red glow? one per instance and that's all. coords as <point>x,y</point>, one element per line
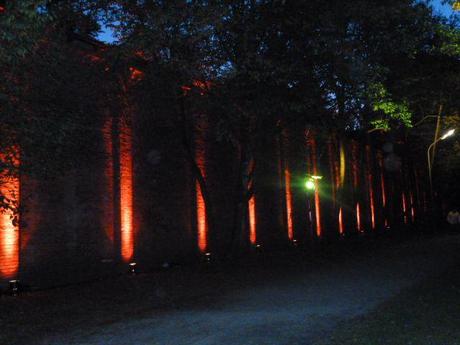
<point>384,197</point>
<point>136,74</point>
<point>358,217</point>
<point>337,173</point>
<point>203,85</point>
<point>2,9</point>
<point>341,229</point>
<point>317,210</point>
<point>317,198</point>
<point>126,192</point>
<point>202,224</point>
<point>9,233</point>
<point>371,200</point>
<point>252,221</point>
<point>201,219</point>
<point>94,58</point>
<point>185,90</point>
<point>404,207</point>
<point>289,204</point>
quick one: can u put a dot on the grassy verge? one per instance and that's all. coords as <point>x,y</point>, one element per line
<point>428,314</point>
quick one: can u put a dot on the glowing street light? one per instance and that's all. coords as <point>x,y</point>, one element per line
<point>446,135</point>
<point>310,184</point>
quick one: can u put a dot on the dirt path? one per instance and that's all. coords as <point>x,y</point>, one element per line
<point>286,309</point>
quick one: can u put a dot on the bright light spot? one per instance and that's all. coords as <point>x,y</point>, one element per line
<point>310,185</point>
<point>448,134</point>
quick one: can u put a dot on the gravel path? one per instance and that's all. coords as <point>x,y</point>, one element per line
<point>292,308</point>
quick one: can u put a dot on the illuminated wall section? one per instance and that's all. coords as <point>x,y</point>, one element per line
<point>288,191</point>
<point>310,207</point>
<point>355,173</point>
<point>126,192</point>
<point>404,206</point>
<point>314,159</point>
<point>341,182</point>
<point>358,217</point>
<point>202,226</point>
<point>9,233</point>
<point>252,220</point>
<point>341,228</point>
<point>342,164</point>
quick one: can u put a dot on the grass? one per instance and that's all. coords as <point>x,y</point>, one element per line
<point>428,314</point>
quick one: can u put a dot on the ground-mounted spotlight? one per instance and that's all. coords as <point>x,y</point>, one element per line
<point>258,249</point>
<point>133,268</point>
<point>207,257</point>
<point>13,287</point>
<point>295,243</point>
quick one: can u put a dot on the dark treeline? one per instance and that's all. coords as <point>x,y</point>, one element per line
<point>253,66</point>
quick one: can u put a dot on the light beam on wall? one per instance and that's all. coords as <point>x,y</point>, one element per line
<point>200,158</point>
<point>341,228</point>
<point>126,191</point>
<point>404,206</point>
<point>287,176</point>
<point>317,197</point>
<point>342,164</point>
<point>358,217</point>
<point>252,220</point>
<point>9,232</point>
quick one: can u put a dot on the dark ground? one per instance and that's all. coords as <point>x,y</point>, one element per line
<point>369,292</point>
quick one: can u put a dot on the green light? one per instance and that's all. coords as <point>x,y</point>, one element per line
<point>310,185</point>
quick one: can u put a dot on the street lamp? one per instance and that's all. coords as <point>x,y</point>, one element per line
<point>312,181</point>
<point>449,133</point>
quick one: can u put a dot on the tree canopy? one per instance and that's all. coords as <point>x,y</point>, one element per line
<point>356,67</point>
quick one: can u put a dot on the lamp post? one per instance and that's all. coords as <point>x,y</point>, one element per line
<point>445,136</point>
